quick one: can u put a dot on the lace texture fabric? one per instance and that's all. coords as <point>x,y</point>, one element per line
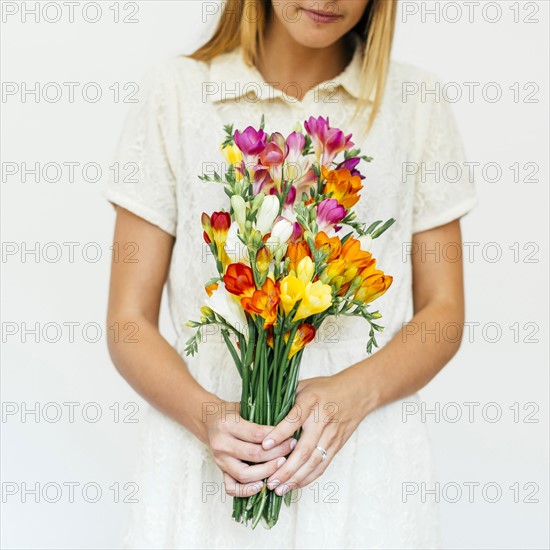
<point>170,137</point>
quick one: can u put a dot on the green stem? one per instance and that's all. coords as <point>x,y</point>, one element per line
<point>232,351</point>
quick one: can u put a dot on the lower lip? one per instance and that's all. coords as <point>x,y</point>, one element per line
<point>321,18</point>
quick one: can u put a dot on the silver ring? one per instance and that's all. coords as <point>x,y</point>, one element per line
<point>323,452</point>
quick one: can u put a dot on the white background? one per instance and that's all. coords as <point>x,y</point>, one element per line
<point>499,293</point>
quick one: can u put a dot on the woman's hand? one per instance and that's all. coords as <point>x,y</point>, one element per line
<point>328,409</point>
<point>235,441</point>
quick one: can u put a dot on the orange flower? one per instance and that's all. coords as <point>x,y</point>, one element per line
<point>210,288</point>
<point>304,335</point>
<point>264,302</point>
<point>351,252</point>
<point>343,186</point>
<point>296,252</point>
<point>330,246</point>
<point>374,284</point>
<point>239,280</point>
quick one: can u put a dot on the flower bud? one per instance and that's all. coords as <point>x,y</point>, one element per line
<point>366,242</point>
<point>257,201</point>
<point>239,209</point>
<point>267,214</point>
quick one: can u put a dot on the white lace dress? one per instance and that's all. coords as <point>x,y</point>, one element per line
<point>172,135</point>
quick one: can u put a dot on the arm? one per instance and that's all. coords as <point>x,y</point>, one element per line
<point>158,373</point>
<point>411,359</point>
<point>403,366</point>
<point>151,366</point>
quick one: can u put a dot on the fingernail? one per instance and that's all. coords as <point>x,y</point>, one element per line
<point>281,490</point>
<point>253,489</point>
<point>293,444</point>
<point>272,484</point>
<point>268,444</point>
<point>281,461</point>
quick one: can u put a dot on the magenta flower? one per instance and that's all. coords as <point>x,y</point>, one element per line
<point>329,213</point>
<point>272,158</point>
<point>291,197</point>
<point>327,142</point>
<point>351,164</point>
<point>251,142</point>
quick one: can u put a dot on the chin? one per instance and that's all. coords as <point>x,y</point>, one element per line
<point>317,38</point>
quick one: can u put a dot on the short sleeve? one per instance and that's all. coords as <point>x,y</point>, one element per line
<point>444,185</point>
<point>142,178</point>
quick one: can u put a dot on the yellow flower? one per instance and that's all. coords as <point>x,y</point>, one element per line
<point>305,269</point>
<point>333,269</point>
<point>350,273</point>
<point>292,290</point>
<point>234,157</point>
<point>263,259</point>
<point>317,298</point>
<point>232,154</point>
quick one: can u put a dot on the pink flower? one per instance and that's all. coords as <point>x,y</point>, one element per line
<point>261,181</point>
<point>327,142</point>
<point>272,158</point>
<point>295,143</point>
<point>329,213</point>
<point>251,143</point>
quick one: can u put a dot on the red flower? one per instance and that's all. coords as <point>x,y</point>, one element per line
<point>239,280</point>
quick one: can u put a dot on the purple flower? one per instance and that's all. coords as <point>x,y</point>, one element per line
<point>329,213</point>
<point>351,164</point>
<point>251,142</point>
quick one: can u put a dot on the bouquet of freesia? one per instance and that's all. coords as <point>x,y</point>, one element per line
<point>283,267</point>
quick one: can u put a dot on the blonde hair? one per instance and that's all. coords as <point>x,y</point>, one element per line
<point>243,23</point>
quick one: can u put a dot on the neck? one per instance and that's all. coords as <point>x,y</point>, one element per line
<point>286,61</point>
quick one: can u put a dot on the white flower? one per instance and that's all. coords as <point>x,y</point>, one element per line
<point>267,214</point>
<point>281,232</point>
<point>234,247</point>
<point>228,306</point>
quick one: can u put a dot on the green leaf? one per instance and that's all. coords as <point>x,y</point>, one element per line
<point>381,230</point>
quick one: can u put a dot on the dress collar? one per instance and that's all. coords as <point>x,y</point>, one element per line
<point>230,78</point>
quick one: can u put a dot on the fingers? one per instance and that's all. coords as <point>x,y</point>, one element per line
<point>309,472</point>
<point>248,431</point>
<point>251,452</point>
<point>247,474</point>
<point>293,420</point>
<point>235,489</point>
<point>302,454</point>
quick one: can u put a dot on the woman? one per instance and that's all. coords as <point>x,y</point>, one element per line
<point>289,60</point>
